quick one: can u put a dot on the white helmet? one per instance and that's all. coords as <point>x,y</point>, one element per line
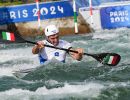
<point>51,30</point>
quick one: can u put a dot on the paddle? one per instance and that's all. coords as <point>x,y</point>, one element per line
<point>110,59</point>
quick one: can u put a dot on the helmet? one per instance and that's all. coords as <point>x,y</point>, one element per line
<point>51,30</point>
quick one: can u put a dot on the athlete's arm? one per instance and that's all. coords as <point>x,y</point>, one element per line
<point>36,49</point>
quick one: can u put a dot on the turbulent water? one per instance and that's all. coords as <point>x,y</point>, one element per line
<point>87,79</point>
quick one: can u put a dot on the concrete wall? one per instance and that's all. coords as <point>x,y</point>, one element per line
<point>95,22</point>
<point>66,26</point>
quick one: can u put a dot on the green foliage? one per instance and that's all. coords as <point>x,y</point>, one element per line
<point>18,2</point>
<point>10,3</point>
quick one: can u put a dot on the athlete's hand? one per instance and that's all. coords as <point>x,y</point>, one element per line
<point>40,44</point>
<point>38,47</point>
<point>78,55</point>
<point>80,51</point>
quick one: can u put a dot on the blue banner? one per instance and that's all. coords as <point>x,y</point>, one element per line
<point>115,16</point>
<point>26,13</point>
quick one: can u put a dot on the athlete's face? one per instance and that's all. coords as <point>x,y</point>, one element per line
<point>54,39</point>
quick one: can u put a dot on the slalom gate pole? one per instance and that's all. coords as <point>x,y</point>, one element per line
<point>91,10</point>
<point>75,17</point>
<point>38,13</point>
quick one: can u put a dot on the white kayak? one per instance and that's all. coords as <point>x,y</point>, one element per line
<point>22,73</point>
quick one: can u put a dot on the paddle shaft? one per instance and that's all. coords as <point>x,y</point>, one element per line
<point>99,57</point>
<point>60,48</point>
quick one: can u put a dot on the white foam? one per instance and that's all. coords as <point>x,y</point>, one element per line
<point>104,36</point>
<point>12,60</point>
<point>5,71</point>
<point>87,90</point>
<point>11,54</point>
<point>116,84</point>
<point>80,42</point>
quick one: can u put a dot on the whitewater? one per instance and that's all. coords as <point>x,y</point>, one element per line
<point>87,79</point>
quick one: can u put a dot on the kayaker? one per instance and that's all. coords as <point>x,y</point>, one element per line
<point>52,39</point>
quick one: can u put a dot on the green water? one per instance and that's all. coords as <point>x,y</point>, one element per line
<point>74,80</point>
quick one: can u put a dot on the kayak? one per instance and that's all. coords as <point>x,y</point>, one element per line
<point>22,73</point>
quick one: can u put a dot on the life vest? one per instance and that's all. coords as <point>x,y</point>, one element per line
<point>48,53</point>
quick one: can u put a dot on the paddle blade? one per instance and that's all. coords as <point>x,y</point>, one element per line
<point>111,59</point>
<point>10,37</point>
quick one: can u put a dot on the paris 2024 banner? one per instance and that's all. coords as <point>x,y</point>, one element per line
<point>29,12</point>
<point>115,16</point>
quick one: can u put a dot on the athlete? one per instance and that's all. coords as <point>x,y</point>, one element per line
<point>52,39</point>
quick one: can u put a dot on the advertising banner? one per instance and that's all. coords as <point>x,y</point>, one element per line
<point>26,13</point>
<point>115,16</point>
